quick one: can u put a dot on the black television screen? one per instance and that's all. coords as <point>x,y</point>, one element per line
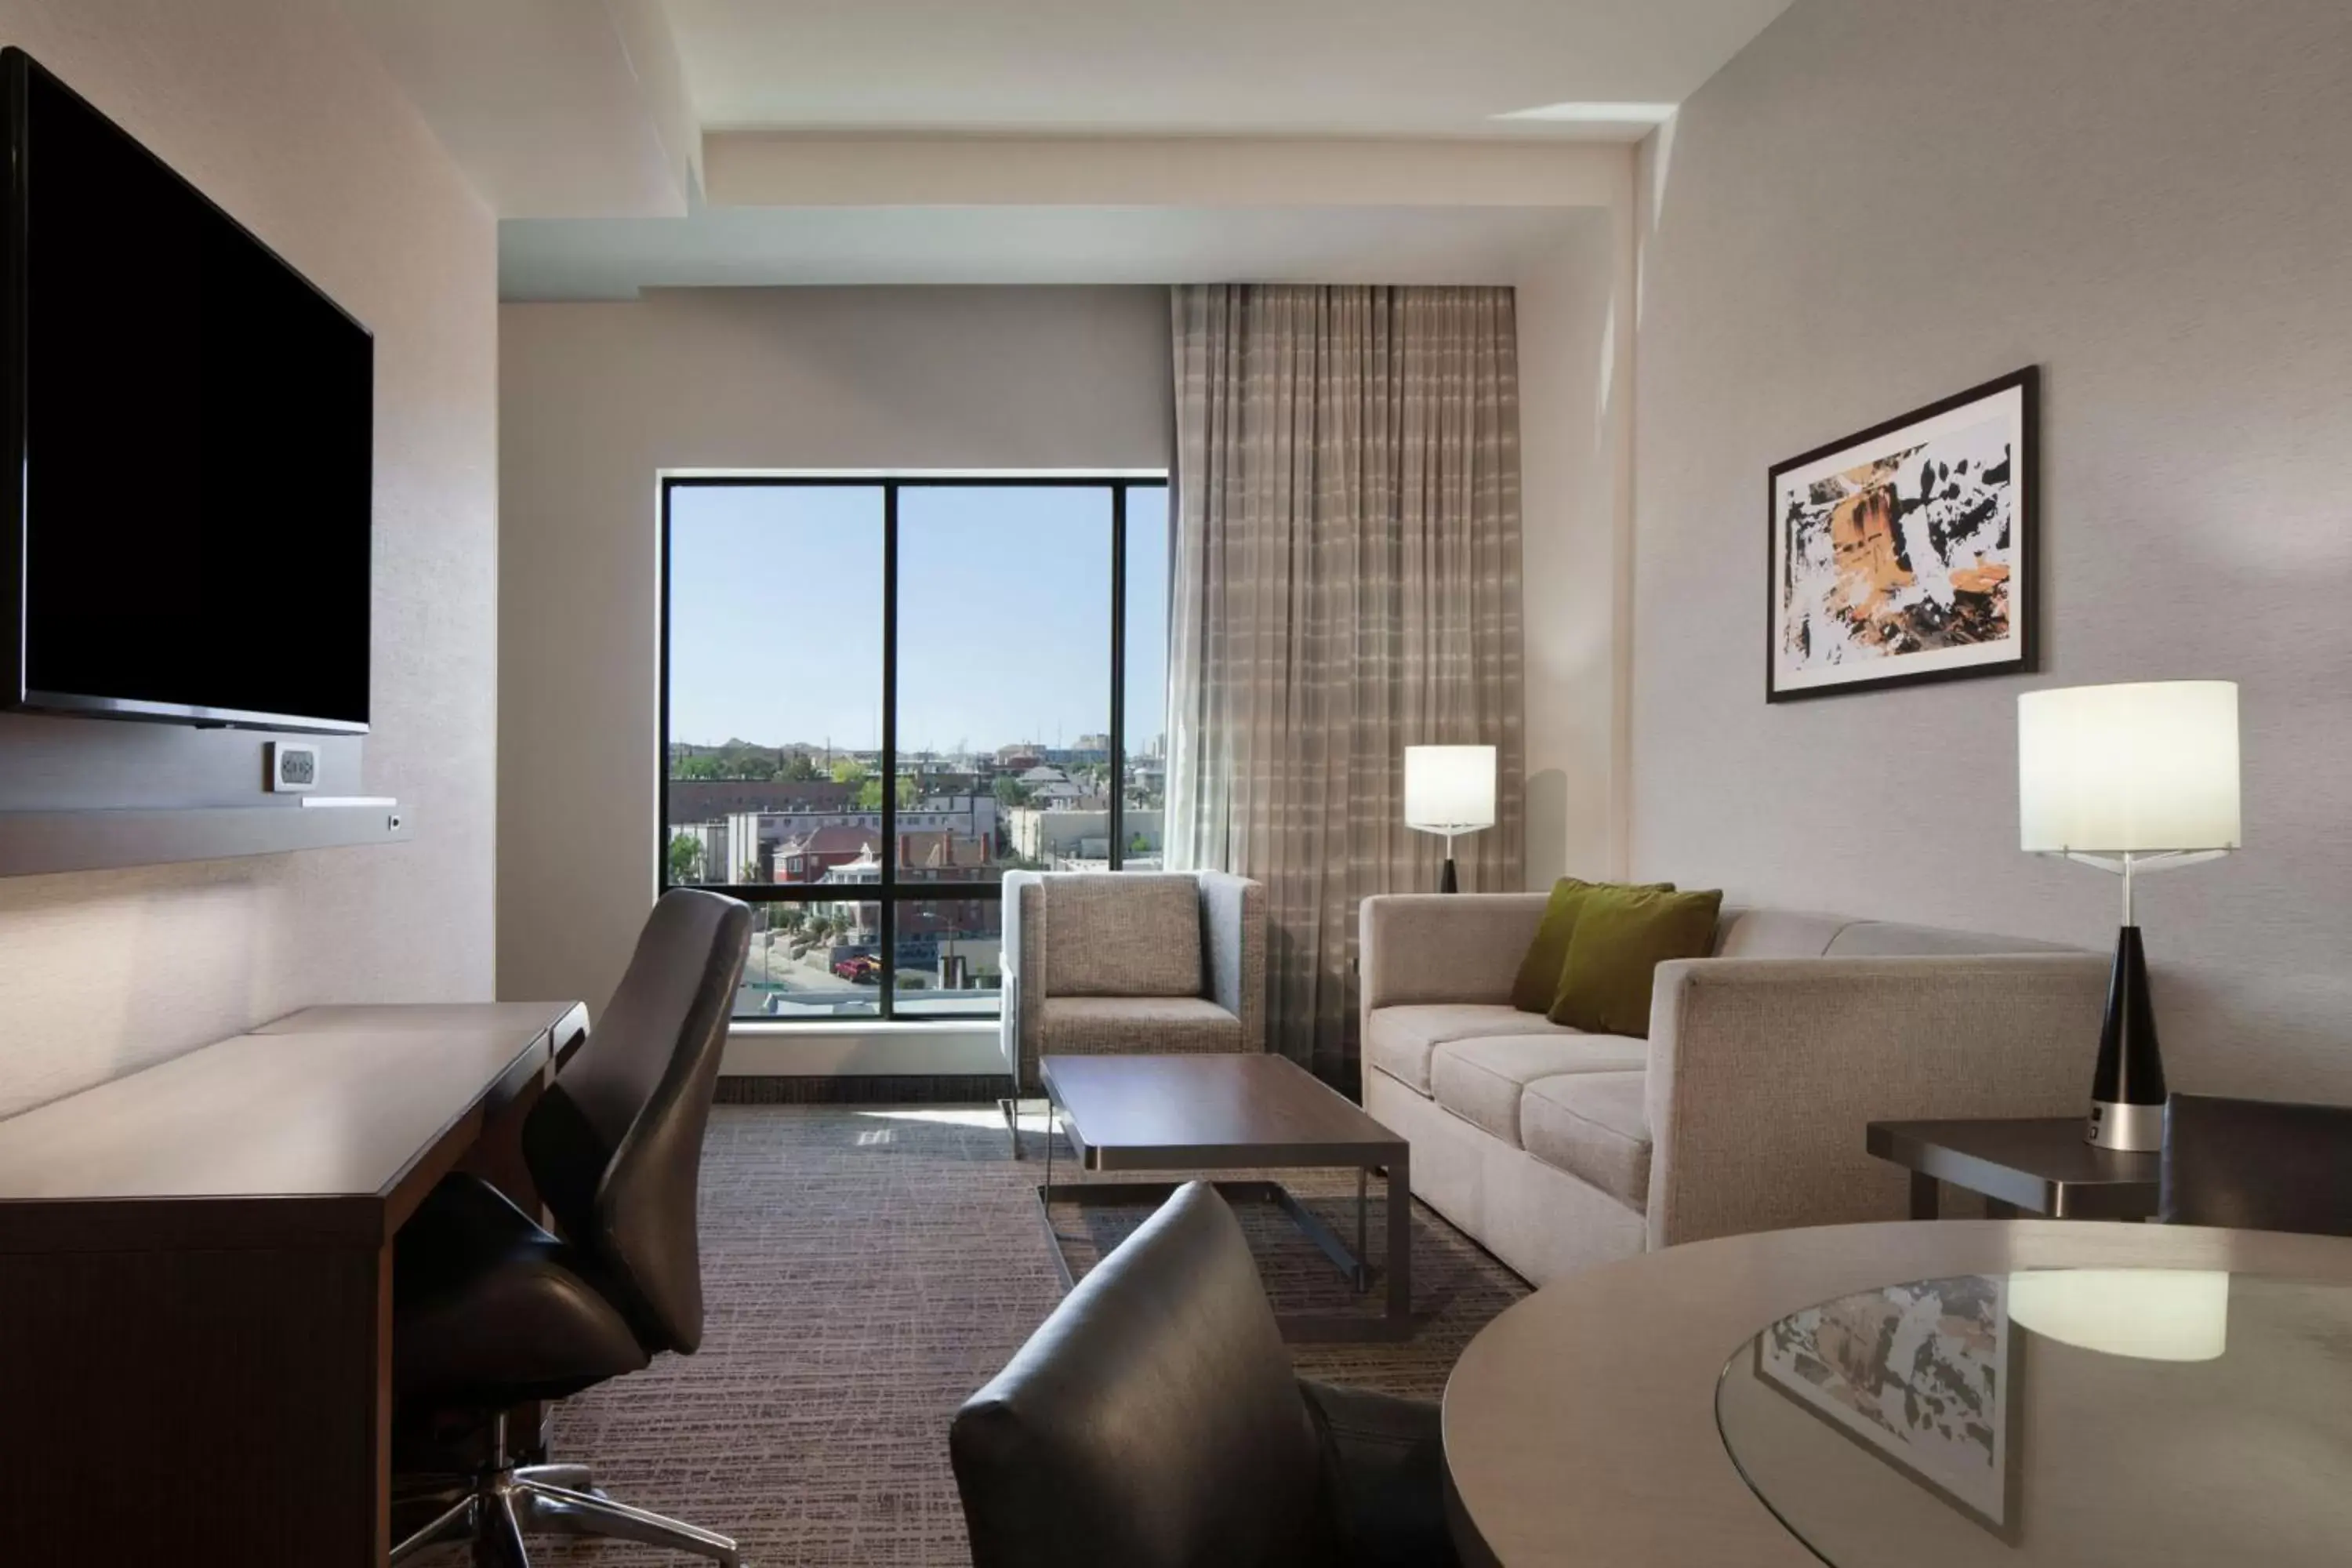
<point>193,422</point>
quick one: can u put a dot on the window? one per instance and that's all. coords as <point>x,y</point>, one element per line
<point>879,695</point>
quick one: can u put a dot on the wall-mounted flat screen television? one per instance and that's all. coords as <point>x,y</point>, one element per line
<point>193,423</point>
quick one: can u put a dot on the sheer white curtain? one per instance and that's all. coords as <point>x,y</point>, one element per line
<point>1347,584</point>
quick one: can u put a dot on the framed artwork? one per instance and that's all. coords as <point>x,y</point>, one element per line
<point>1922,1375</point>
<point>1907,553</point>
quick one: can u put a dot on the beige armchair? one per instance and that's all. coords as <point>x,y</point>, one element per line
<point>1128,961</point>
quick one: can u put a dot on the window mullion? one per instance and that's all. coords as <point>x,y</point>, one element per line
<point>888,910</point>
<point>1118,675</point>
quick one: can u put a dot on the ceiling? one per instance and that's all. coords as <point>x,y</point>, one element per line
<point>1346,67</point>
<point>587,125</point>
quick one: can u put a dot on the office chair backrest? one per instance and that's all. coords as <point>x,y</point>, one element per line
<point>2256,1164</point>
<point>615,1146</point>
<point>1153,1421</point>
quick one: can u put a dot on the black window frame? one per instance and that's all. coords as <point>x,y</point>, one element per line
<point>889,893</point>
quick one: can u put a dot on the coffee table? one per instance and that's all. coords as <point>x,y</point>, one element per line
<point>1226,1112</point>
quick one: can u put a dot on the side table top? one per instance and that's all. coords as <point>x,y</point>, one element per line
<point>2041,1164</point>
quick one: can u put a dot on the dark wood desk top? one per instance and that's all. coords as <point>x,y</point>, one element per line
<point>2041,1164</point>
<point>1206,1112</point>
<point>313,1129</point>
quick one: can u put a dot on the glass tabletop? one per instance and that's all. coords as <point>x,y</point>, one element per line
<point>2088,1417</point>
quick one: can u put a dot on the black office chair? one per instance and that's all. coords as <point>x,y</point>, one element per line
<point>1154,1422</point>
<point>2256,1164</point>
<point>489,1310</point>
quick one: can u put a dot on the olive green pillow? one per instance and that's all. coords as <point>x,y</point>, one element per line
<point>1621,936</point>
<point>1539,978</point>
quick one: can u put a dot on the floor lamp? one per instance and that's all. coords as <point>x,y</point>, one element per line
<point>2131,779</point>
<point>1449,790</point>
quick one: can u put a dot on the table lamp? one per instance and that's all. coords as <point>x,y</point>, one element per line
<point>2131,778</point>
<point>1449,790</point>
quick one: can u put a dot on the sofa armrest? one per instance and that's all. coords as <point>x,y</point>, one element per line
<point>1444,947</point>
<point>1763,1073</point>
<point>1232,927</point>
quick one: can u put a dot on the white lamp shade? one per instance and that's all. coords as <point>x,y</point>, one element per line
<point>1449,789</point>
<point>2149,1314</point>
<point>2148,766</point>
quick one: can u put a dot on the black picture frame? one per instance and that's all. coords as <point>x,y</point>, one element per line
<point>2021,391</point>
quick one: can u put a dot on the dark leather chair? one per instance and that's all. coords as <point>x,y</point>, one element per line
<point>1154,1422</point>
<point>2256,1164</point>
<point>490,1311</point>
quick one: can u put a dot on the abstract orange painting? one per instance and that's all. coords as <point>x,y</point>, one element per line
<point>1905,552</point>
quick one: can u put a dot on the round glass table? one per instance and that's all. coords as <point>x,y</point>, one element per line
<point>2083,1417</point>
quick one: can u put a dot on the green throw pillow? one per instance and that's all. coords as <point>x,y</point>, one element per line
<point>1539,979</point>
<point>1622,935</point>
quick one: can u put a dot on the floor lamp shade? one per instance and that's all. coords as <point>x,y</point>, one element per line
<point>1449,790</point>
<point>2130,778</point>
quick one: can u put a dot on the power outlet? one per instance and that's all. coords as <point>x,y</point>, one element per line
<point>291,766</point>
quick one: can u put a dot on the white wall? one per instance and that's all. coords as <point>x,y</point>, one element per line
<point>275,109</point>
<point>1575,448</point>
<point>600,398</point>
<point>1881,201</point>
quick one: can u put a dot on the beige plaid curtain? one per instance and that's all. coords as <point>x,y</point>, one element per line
<point>1346,584</point>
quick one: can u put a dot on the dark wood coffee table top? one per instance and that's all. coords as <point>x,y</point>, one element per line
<point>1208,1112</point>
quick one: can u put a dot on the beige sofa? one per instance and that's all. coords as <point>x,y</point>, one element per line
<point>1743,1111</point>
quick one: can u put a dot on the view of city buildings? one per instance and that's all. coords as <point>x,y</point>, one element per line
<point>774,767</point>
<point>961,819</point>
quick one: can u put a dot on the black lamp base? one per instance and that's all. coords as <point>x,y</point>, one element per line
<point>2127,1089</point>
<point>1446,883</point>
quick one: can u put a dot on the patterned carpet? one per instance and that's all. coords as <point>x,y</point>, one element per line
<point>866,1267</point>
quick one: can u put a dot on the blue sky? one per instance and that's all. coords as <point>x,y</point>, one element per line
<point>1004,615</point>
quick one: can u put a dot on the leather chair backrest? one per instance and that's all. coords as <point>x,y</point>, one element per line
<point>1153,1421</point>
<point>615,1146</point>
<point>2256,1164</point>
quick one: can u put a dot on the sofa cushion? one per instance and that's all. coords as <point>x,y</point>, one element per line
<point>1622,935</point>
<point>1398,1040</point>
<point>1591,1125</point>
<point>1886,939</point>
<point>1123,933</point>
<point>1774,933</point>
<point>1537,984</point>
<point>1127,1025</point>
<point>1480,1081</point>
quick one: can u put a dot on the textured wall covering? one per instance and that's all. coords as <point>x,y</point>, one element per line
<point>597,399</point>
<point>1884,201</point>
<point>275,108</point>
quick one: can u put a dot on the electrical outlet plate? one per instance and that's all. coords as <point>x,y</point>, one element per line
<point>293,766</point>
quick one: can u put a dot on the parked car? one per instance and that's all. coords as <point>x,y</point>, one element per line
<point>860,969</point>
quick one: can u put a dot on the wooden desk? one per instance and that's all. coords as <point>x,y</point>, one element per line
<point>195,1280</point>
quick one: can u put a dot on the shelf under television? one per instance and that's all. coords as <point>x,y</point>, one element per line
<point>34,843</point>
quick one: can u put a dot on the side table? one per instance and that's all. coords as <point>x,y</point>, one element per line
<point>2038,1165</point>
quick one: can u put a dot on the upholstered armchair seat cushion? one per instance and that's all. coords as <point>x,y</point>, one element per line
<point>1125,934</point>
<point>1482,1080</point>
<point>1116,1026</point>
<point>1399,1040</point>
